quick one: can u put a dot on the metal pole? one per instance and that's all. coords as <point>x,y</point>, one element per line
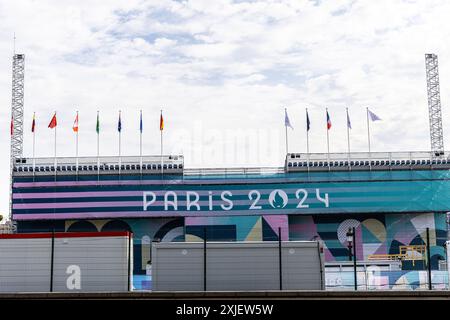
<point>52,259</point>
<point>129,261</point>
<point>120,158</point>
<point>354,258</point>
<point>140,143</point>
<point>430,286</point>
<point>162,163</point>
<point>328,142</point>
<point>204,259</point>
<point>348,137</point>
<point>286,140</point>
<point>55,150</point>
<point>76,145</point>
<point>34,144</point>
<point>368,127</point>
<point>279,259</point>
<point>98,139</point>
<point>307,139</point>
<point>55,145</point>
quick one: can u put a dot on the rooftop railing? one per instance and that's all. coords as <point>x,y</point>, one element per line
<point>294,162</point>
<point>366,161</point>
<point>81,165</point>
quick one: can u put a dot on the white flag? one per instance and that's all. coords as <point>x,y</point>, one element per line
<point>287,123</point>
<point>373,116</point>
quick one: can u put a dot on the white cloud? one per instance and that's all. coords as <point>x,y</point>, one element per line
<point>223,71</point>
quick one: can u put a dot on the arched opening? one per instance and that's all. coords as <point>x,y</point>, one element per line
<point>82,226</point>
<point>116,225</point>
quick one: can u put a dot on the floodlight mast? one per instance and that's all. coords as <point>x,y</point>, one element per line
<point>434,104</point>
<point>17,109</point>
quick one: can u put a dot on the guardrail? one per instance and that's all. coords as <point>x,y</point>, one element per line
<point>104,165</point>
<point>366,161</point>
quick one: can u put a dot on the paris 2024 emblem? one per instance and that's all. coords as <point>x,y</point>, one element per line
<point>278,199</point>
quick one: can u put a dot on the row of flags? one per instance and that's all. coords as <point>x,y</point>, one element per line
<point>372,116</point>
<point>75,127</point>
<point>53,123</point>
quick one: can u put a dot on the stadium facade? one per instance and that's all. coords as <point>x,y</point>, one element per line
<point>391,199</point>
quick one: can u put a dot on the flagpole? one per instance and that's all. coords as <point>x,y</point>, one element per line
<point>140,141</point>
<point>368,128</point>
<point>307,134</point>
<point>55,145</point>
<point>307,138</point>
<point>285,126</point>
<point>120,134</point>
<point>162,162</point>
<point>98,138</point>
<point>76,145</point>
<point>348,136</point>
<point>328,139</point>
<point>34,141</point>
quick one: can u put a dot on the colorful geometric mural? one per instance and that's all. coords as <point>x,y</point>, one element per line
<point>245,228</point>
<point>377,234</point>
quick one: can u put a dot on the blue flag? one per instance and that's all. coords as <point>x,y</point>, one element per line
<point>119,124</point>
<point>349,124</point>
<point>308,123</point>
<point>140,123</point>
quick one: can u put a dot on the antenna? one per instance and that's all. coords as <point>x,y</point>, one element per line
<point>434,104</point>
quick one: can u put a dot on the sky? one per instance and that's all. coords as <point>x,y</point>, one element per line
<point>223,73</point>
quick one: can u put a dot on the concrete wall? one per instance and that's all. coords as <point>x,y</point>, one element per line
<point>84,264</point>
<point>237,266</point>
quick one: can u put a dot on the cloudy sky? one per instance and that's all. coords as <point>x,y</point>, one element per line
<point>223,71</point>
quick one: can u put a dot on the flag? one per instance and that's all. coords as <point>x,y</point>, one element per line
<point>75,124</point>
<point>33,124</point>
<point>97,127</point>
<point>349,124</point>
<point>287,123</point>
<point>52,123</point>
<point>308,123</point>
<point>328,121</point>
<point>12,125</point>
<point>119,124</point>
<point>161,122</point>
<point>140,123</point>
<point>373,116</point>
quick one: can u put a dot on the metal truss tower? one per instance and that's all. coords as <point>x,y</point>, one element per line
<point>434,104</point>
<point>18,77</point>
<point>17,106</point>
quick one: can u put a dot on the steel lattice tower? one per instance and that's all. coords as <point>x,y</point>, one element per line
<point>18,77</point>
<point>434,104</point>
<point>17,106</point>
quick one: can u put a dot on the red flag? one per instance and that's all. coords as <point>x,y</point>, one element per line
<point>52,123</point>
<point>12,126</point>
<point>75,124</point>
<point>328,121</point>
<point>161,122</point>
<point>33,124</point>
